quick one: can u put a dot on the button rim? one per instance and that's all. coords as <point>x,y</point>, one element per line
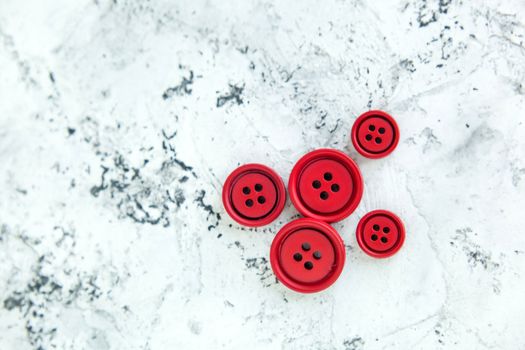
<point>335,155</point>
<point>357,145</point>
<point>276,180</point>
<point>334,238</point>
<point>371,252</point>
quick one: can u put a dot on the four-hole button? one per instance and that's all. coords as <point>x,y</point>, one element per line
<point>307,255</point>
<point>380,233</point>
<point>375,134</point>
<point>254,195</point>
<point>325,184</point>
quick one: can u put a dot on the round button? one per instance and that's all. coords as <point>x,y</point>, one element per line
<point>380,233</point>
<point>307,255</point>
<point>326,185</point>
<point>253,195</point>
<point>375,134</point>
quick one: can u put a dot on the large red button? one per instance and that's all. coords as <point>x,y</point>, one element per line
<point>375,134</point>
<point>307,255</point>
<point>254,195</point>
<point>326,185</point>
<point>380,233</point>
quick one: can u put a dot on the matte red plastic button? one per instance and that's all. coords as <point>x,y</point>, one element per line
<point>254,195</point>
<point>307,255</point>
<point>326,185</point>
<point>380,233</point>
<point>375,134</point>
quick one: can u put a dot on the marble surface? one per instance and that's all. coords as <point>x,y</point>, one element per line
<point>120,120</point>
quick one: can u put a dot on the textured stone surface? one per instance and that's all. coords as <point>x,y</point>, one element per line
<point>119,121</point>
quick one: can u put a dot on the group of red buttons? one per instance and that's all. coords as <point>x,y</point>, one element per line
<point>307,254</point>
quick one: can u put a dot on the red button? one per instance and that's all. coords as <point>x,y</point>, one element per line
<point>326,185</point>
<point>307,255</point>
<point>380,233</point>
<point>254,195</point>
<point>375,134</point>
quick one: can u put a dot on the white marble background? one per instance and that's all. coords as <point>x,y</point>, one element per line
<point>119,121</point>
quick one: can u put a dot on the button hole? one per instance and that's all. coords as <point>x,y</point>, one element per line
<point>308,265</point>
<point>384,239</point>
<point>374,237</point>
<point>324,195</point>
<point>246,190</point>
<point>261,200</point>
<point>368,137</point>
<point>386,229</point>
<point>376,227</point>
<point>335,188</point>
<point>316,184</point>
<point>327,176</point>
<point>378,140</point>
<point>258,187</point>
<point>249,203</point>
<point>381,130</point>
<point>371,127</point>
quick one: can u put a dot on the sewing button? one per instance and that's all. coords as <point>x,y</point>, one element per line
<point>253,195</point>
<point>375,134</point>
<point>325,184</point>
<point>380,233</point>
<point>307,255</point>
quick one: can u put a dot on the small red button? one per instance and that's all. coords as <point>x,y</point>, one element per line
<point>253,195</point>
<point>380,233</point>
<point>307,255</point>
<point>325,184</point>
<point>375,134</point>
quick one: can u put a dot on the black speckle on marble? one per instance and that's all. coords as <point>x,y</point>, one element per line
<point>263,270</point>
<point>143,200</point>
<point>428,12</point>
<point>356,343</point>
<point>38,298</point>
<point>438,332</point>
<point>183,88</point>
<point>408,65</point>
<point>208,209</point>
<point>234,95</point>
<point>169,148</point>
<point>321,122</point>
<point>475,255</point>
<point>518,172</point>
<point>21,191</point>
<point>178,198</point>
<point>14,301</point>
<point>95,190</point>
<point>336,126</point>
<point>243,50</point>
<point>143,192</point>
